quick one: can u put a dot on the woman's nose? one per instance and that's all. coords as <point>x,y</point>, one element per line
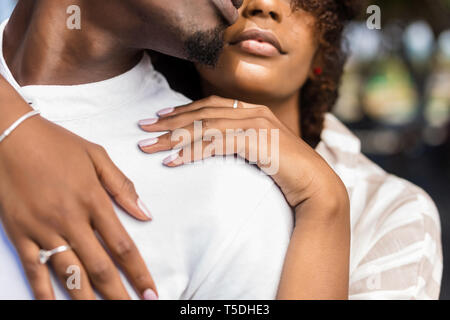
<point>262,9</point>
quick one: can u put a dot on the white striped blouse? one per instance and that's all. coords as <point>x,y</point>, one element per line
<point>396,250</point>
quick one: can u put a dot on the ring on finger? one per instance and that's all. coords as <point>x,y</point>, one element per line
<point>45,255</point>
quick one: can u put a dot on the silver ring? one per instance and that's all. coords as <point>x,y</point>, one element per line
<point>235,104</point>
<point>45,255</point>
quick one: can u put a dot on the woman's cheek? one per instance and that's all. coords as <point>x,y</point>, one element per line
<point>294,73</point>
<point>300,61</point>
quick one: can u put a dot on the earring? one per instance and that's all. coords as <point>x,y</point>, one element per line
<point>318,71</point>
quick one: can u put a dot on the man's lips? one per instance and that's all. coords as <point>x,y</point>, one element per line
<point>228,9</point>
<point>258,42</point>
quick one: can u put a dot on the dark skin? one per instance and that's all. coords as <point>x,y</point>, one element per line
<point>269,80</point>
<point>273,81</point>
<point>68,193</point>
<point>316,266</point>
<point>106,46</point>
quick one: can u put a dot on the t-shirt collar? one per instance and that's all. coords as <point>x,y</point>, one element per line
<point>84,100</point>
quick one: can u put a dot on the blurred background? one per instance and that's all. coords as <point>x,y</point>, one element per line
<point>6,7</point>
<point>395,96</point>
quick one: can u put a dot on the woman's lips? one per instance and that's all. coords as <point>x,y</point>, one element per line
<point>258,42</point>
<point>258,48</point>
<point>228,9</point>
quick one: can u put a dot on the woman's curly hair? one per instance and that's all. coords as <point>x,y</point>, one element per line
<point>319,93</point>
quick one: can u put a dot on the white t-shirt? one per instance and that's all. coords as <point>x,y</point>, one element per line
<point>220,229</point>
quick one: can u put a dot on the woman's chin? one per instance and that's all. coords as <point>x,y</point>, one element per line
<point>244,80</point>
<point>255,84</point>
<point>251,92</point>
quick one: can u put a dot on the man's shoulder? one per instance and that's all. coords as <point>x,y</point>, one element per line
<point>228,194</point>
<point>233,180</point>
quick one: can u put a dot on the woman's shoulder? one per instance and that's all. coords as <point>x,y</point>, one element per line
<point>396,231</point>
<point>380,201</point>
<point>342,150</point>
<point>396,236</point>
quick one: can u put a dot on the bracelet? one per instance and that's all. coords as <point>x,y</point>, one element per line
<point>8,131</point>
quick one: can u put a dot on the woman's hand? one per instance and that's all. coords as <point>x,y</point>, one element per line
<point>317,261</point>
<point>293,164</point>
<point>53,192</point>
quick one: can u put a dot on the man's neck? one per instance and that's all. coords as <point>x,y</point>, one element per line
<point>39,48</point>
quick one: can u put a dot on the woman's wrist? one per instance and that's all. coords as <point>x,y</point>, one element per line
<point>325,203</point>
<point>17,123</point>
<point>12,105</point>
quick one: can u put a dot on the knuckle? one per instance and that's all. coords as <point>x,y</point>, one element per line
<point>166,139</point>
<point>264,111</point>
<point>58,214</point>
<point>142,278</point>
<point>52,217</point>
<point>168,122</point>
<point>32,268</point>
<point>14,220</point>
<point>202,113</point>
<point>101,272</point>
<point>94,201</point>
<point>91,197</point>
<point>212,98</point>
<point>52,212</point>
<point>208,124</point>
<point>99,149</point>
<point>128,185</point>
<point>124,248</point>
<point>173,122</point>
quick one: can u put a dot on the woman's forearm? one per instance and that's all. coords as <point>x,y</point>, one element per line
<point>12,105</point>
<point>42,164</point>
<point>317,261</point>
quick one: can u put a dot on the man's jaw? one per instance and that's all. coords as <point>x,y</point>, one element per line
<point>205,47</point>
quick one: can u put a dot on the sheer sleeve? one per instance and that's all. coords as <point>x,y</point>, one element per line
<point>404,258</point>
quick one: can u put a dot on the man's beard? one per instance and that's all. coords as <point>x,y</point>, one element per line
<point>204,47</point>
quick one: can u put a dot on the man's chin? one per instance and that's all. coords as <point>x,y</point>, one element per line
<point>205,47</point>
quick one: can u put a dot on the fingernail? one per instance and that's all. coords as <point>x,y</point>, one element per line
<point>171,158</point>
<point>147,122</point>
<point>149,294</point>
<point>148,142</point>
<point>144,209</point>
<point>165,111</point>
